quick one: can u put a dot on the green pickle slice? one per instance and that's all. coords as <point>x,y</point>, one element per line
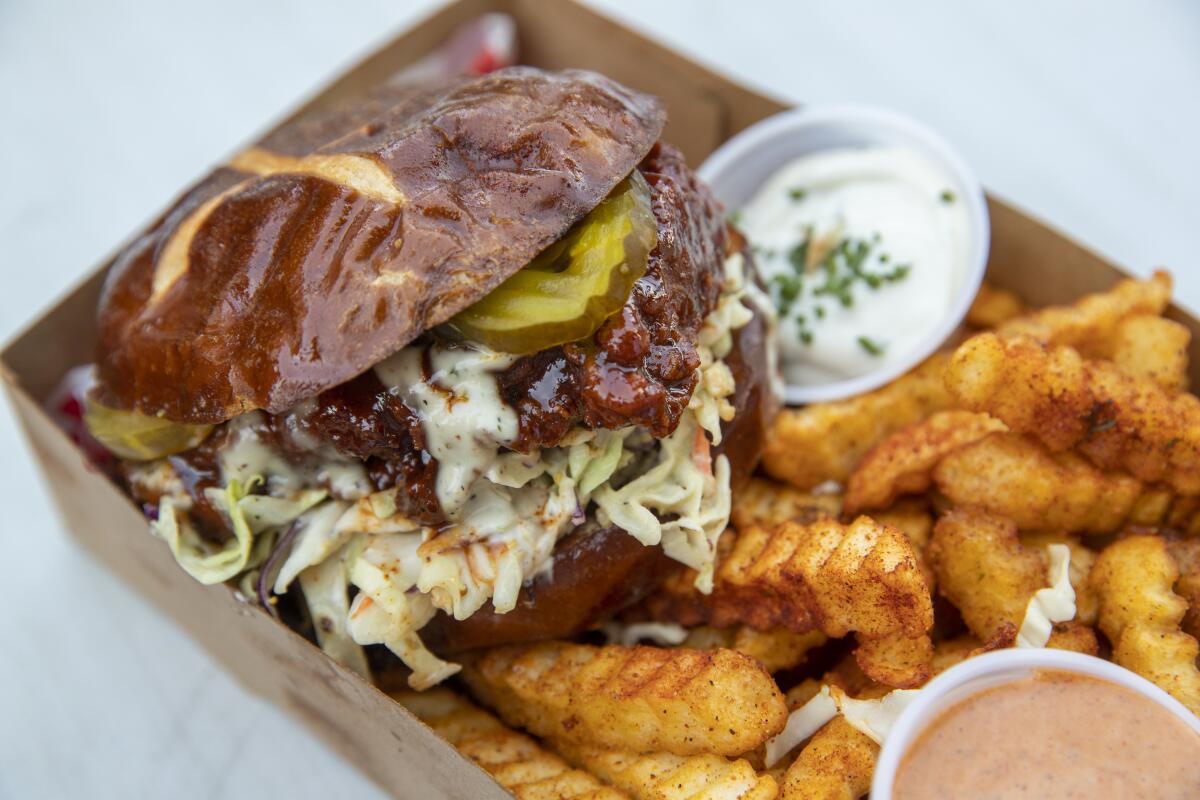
<point>569,289</point>
<point>138,437</point>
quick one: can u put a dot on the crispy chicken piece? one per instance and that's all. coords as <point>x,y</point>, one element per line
<point>863,578</point>
<point>662,776</point>
<point>994,306</point>
<point>1154,348</point>
<point>984,571</point>
<point>1140,615</point>
<point>1014,476</point>
<point>765,502</point>
<point>1091,321</point>
<point>837,764</point>
<point>1117,420</point>
<point>823,441</point>
<point>776,649</point>
<point>517,762</point>
<point>903,463</point>
<point>644,699</point>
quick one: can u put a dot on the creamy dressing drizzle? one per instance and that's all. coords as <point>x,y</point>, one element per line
<point>505,510</point>
<point>893,203</point>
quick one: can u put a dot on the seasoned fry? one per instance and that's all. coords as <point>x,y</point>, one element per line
<point>1091,321</point>
<point>645,699</point>
<point>662,776</point>
<point>776,649</point>
<point>517,762</point>
<point>1031,389</point>
<point>823,441</point>
<point>1140,615</point>
<point>767,503</point>
<point>1074,636</point>
<point>949,652</point>
<point>903,462</point>
<point>836,764</point>
<point>1186,553</point>
<point>993,306</point>
<point>1116,420</point>
<point>1154,348</point>
<point>1014,476</point>
<point>862,578</point>
<point>984,571</point>
<point>913,517</point>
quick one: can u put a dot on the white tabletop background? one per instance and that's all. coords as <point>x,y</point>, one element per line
<point>1084,112</point>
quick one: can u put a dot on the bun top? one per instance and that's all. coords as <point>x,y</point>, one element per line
<point>295,267</point>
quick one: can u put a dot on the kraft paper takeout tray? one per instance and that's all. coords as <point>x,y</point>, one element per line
<point>391,746</point>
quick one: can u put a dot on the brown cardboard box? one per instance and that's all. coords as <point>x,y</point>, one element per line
<point>357,720</point>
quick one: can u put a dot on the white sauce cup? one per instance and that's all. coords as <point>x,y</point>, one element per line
<point>737,169</point>
<point>995,669</point>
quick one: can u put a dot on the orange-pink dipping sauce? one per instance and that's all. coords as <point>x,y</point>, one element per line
<point>1055,735</point>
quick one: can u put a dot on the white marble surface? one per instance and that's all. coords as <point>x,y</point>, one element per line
<point>1083,111</point>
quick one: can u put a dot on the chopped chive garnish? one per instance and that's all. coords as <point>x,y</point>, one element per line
<point>948,196</point>
<point>874,348</point>
<point>797,194</point>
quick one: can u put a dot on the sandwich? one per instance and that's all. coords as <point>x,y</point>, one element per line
<point>449,366</point>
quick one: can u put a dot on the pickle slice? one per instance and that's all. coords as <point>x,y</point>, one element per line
<point>569,289</point>
<point>139,437</point>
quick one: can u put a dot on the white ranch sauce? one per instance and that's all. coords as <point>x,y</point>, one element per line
<point>898,203</point>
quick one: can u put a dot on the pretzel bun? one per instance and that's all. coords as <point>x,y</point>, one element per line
<point>295,267</point>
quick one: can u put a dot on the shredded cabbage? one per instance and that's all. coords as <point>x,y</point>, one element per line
<point>1051,605</point>
<point>198,557</point>
<point>875,718</point>
<point>507,509</point>
<point>326,593</point>
<point>801,724</point>
<point>677,485</point>
<point>661,633</point>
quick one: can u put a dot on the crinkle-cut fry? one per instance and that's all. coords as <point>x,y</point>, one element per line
<point>1092,320</point>
<point>645,699</point>
<point>903,463</point>
<point>1082,561</point>
<point>984,571</point>
<point>949,652</point>
<point>663,776</point>
<point>1186,553</point>
<point>1141,615</point>
<point>823,441</point>
<point>913,517</point>
<point>994,306</point>
<point>769,503</point>
<point>837,764</point>
<point>1074,636</point>
<point>1117,420</point>
<point>1154,348</point>
<point>1029,388</point>
<point>516,761</point>
<point>776,649</point>
<point>862,578</point>
<point>1016,477</point>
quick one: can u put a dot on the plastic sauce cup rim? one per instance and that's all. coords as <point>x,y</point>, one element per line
<point>868,125</point>
<point>1000,668</point>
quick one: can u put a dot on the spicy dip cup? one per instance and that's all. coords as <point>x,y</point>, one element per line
<point>991,670</point>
